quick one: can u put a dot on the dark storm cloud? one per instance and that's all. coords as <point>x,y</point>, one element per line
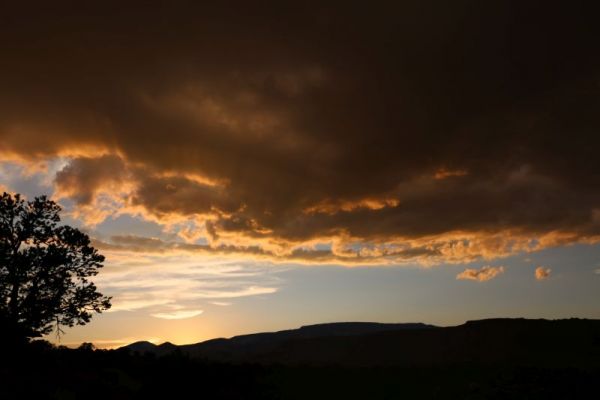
<point>397,121</point>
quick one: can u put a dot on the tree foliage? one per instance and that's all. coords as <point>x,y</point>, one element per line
<point>45,269</point>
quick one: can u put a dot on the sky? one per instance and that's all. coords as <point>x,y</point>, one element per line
<point>248,167</point>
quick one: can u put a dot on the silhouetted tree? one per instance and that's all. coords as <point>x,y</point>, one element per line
<point>86,346</point>
<point>44,269</point>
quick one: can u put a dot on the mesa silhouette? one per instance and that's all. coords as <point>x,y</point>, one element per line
<point>524,342</point>
<point>486,359</point>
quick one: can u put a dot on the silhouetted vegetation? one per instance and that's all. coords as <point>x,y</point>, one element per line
<point>567,369</point>
<point>44,270</point>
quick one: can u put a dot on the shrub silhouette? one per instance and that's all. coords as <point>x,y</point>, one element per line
<point>44,270</point>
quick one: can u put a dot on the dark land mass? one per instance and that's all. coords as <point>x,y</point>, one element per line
<point>275,347</point>
<point>487,359</point>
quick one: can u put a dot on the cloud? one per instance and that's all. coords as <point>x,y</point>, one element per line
<point>285,139</point>
<point>177,286</point>
<point>83,177</point>
<point>481,275</point>
<point>444,173</point>
<point>457,247</point>
<point>542,273</point>
<point>178,314</point>
<point>220,303</point>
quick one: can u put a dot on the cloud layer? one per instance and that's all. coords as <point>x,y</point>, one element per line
<point>421,130</point>
<point>179,286</point>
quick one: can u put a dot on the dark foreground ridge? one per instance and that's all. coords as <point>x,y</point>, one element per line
<point>263,347</point>
<point>568,342</point>
<point>487,359</point>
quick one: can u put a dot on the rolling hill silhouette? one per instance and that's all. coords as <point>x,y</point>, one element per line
<point>564,343</point>
<point>148,347</point>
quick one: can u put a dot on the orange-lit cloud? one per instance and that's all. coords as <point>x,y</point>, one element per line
<point>481,275</point>
<point>542,273</point>
<point>370,230</point>
<point>330,207</point>
<point>453,248</point>
<point>444,173</point>
<point>275,146</point>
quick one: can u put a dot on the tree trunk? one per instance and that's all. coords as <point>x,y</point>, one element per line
<point>13,304</point>
<point>13,264</point>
